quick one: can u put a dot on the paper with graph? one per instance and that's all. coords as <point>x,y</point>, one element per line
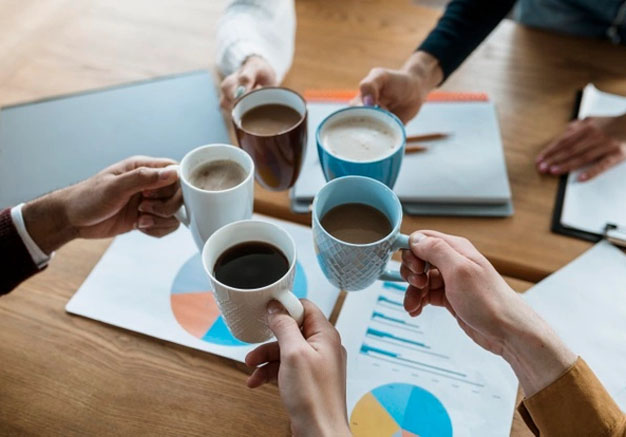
<point>419,376</point>
<point>158,287</point>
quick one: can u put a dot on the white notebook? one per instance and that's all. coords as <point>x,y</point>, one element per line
<point>464,174</point>
<point>589,206</point>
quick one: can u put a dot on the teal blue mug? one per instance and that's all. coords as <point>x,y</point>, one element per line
<point>384,168</point>
<point>350,266</point>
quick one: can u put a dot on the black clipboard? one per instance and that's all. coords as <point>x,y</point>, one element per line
<point>612,232</point>
<point>556,225</point>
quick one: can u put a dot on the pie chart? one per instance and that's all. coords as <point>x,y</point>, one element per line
<point>194,306</point>
<point>400,410</point>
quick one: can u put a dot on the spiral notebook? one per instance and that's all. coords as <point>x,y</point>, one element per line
<point>464,174</point>
<point>596,208</point>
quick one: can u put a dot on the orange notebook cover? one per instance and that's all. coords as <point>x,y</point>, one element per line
<point>346,95</point>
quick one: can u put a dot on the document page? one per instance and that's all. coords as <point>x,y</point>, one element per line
<point>419,376</point>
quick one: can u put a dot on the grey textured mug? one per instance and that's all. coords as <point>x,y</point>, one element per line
<point>349,266</point>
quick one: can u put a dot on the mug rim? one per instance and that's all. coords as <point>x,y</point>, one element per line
<point>351,108</point>
<point>205,249</point>
<point>394,230</point>
<point>249,93</point>
<point>249,176</point>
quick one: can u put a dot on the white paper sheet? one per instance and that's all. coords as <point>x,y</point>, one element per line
<point>422,375</point>
<point>468,167</point>
<point>589,206</point>
<point>585,303</point>
<point>158,287</point>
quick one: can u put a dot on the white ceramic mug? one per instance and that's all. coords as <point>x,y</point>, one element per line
<point>205,211</point>
<point>244,310</point>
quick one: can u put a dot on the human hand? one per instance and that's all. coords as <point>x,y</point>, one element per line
<point>462,280</point>
<point>401,91</point>
<point>255,72</point>
<point>310,366</point>
<point>138,192</point>
<point>596,141</point>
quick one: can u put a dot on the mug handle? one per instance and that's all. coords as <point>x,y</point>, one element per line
<point>292,304</point>
<point>182,216</point>
<point>401,242</point>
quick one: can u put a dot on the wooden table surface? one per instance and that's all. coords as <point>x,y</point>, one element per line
<point>62,374</point>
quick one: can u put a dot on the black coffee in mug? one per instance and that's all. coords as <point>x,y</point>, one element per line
<point>253,264</point>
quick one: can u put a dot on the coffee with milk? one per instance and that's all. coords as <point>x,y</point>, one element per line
<point>360,138</point>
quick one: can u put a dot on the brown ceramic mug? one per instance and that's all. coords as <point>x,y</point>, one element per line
<point>277,156</point>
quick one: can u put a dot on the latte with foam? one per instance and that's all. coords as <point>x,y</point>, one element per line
<point>360,138</point>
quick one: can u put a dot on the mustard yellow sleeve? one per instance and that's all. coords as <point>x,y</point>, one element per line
<point>576,404</point>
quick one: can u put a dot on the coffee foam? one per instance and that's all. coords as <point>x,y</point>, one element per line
<point>360,138</point>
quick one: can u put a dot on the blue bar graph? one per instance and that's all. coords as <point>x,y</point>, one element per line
<point>395,286</point>
<point>386,301</point>
<point>382,334</point>
<point>398,359</point>
<point>392,321</point>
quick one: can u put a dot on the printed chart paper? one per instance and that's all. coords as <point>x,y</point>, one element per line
<point>158,287</point>
<point>419,376</point>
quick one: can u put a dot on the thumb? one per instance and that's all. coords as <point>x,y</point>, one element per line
<point>144,178</point>
<point>370,87</point>
<point>436,251</point>
<point>284,327</point>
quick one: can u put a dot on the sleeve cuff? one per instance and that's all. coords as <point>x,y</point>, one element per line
<point>38,256</point>
<point>576,403</point>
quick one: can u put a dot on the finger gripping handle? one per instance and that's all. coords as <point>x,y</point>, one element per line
<point>292,304</point>
<point>401,242</point>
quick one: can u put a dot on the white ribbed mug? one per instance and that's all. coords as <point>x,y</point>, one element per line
<point>244,310</point>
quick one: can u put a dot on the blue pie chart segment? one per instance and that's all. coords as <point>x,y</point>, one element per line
<point>400,410</point>
<point>194,306</point>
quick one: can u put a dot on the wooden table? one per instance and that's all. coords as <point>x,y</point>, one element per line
<point>67,375</point>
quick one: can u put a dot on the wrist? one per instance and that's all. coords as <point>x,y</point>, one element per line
<point>426,68</point>
<point>322,425</point>
<point>535,352</point>
<point>47,223</point>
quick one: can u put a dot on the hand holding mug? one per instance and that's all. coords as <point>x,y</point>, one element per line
<point>255,72</point>
<point>401,91</point>
<point>310,367</point>
<point>463,281</point>
<point>108,204</point>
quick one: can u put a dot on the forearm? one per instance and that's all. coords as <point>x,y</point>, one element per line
<point>258,27</point>
<point>463,26</point>
<point>47,223</point>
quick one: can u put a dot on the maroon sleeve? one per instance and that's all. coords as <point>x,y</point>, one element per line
<point>16,264</point>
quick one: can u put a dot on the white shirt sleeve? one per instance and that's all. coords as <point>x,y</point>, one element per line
<point>257,27</point>
<point>39,257</point>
